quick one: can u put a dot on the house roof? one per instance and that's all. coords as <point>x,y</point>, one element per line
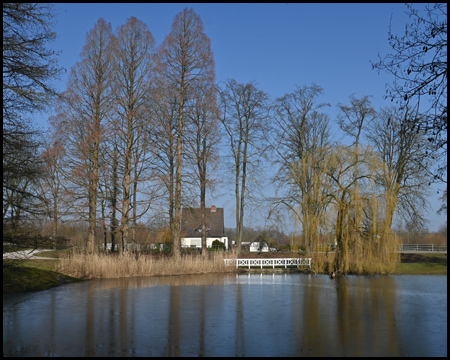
<point>259,239</point>
<point>191,222</point>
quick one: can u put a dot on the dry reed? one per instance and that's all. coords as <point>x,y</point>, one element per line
<point>99,265</point>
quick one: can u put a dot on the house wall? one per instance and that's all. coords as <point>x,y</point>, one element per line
<point>197,241</point>
<point>254,246</point>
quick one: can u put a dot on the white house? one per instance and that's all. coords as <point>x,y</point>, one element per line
<point>259,245</point>
<point>191,227</point>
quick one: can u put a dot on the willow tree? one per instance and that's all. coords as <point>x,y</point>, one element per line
<point>185,62</point>
<point>302,142</point>
<point>353,119</point>
<point>346,202</point>
<point>244,113</point>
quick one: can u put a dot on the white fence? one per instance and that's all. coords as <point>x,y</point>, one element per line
<point>422,247</point>
<point>270,262</point>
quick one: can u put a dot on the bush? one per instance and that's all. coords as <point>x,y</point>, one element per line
<point>217,246</point>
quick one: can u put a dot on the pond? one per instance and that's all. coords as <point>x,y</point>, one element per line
<point>231,315</point>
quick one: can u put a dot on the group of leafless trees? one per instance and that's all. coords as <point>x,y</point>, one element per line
<point>134,123</point>
<point>137,133</point>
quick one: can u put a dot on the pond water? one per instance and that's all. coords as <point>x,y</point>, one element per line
<point>231,315</point>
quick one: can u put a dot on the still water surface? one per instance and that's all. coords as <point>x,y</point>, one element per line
<point>232,315</point>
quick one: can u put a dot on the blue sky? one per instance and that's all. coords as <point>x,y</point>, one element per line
<point>277,45</point>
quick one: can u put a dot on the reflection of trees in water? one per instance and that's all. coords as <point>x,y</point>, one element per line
<point>173,332</point>
<point>315,338</point>
<point>356,318</point>
<point>239,334</point>
<point>182,280</point>
<point>365,316</point>
<point>195,316</point>
<point>114,320</point>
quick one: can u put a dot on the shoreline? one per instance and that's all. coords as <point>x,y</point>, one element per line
<point>29,277</point>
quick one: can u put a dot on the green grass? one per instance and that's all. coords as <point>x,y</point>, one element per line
<point>32,275</point>
<point>422,264</point>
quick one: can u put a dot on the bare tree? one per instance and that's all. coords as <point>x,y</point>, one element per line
<point>185,60</point>
<point>22,169</point>
<point>51,185</point>
<point>134,63</point>
<point>28,65</point>
<point>244,113</point>
<point>419,66</point>
<point>84,111</point>
<point>202,140</point>
<point>28,68</point>
<point>162,126</point>
<point>403,176</point>
<point>302,142</point>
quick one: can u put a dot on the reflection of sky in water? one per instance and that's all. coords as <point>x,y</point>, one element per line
<point>233,315</point>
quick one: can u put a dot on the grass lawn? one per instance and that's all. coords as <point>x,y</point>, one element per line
<point>32,275</point>
<point>422,264</point>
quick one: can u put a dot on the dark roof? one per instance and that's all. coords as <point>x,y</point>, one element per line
<point>260,240</point>
<point>191,222</point>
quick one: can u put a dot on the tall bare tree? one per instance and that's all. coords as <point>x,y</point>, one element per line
<point>162,131</point>
<point>244,113</point>
<point>83,115</point>
<point>185,59</point>
<point>202,144</point>
<point>134,64</point>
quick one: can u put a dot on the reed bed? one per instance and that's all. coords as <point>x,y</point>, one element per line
<point>100,265</point>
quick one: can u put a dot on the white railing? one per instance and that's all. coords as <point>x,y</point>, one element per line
<point>422,247</point>
<point>270,262</point>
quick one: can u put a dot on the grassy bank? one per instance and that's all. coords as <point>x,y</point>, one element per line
<point>33,275</point>
<point>419,264</point>
<point>409,263</point>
